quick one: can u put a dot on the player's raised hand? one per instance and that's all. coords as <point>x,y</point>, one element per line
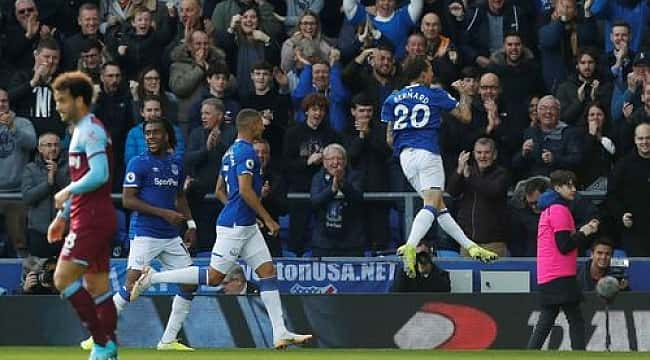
<point>55,230</point>
<point>173,217</point>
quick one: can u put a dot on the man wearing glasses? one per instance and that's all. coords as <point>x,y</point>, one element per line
<point>43,178</point>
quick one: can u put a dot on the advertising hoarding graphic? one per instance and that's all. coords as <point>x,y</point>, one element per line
<point>447,326</point>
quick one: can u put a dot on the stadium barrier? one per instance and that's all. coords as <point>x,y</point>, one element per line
<point>303,276</point>
<point>408,200</point>
<point>408,321</point>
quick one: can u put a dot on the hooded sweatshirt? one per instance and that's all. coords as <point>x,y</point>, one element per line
<point>16,146</point>
<point>555,217</point>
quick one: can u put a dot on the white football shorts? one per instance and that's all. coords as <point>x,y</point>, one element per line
<point>423,169</point>
<point>234,242</point>
<point>171,253</point>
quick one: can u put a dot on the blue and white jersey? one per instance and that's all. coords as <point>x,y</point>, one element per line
<point>415,114</point>
<point>238,160</point>
<point>396,28</point>
<point>159,179</point>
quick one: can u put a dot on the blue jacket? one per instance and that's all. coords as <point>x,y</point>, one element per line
<point>136,145</point>
<point>611,11</point>
<point>338,225</point>
<point>337,95</point>
<point>554,46</point>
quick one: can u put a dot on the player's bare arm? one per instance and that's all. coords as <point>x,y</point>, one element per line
<point>131,201</point>
<point>389,134</point>
<point>463,112</point>
<point>220,190</point>
<point>189,238</point>
<point>250,197</point>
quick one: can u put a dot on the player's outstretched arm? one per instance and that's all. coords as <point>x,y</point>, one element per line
<point>249,196</point>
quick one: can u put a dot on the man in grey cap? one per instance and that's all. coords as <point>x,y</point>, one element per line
<point>206,146</point>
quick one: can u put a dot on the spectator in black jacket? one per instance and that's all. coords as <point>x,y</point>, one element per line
<point>524,215</point>
<point>31,94</point>
<point>372,72</point>
<point>206,146</point>
<point>88,21</point>
<point>491,117</point>
<point>480,39</point>
<point>551,145</point>
<point>337,199</point>
<point>369,154</point>
<point>25,33</point>
<point>428,276</point>
<point>628,193</point>
<point>303,156</point>
<point>114,108</point>
<point>43,178</point>
<point>482,187</point>
<point>519,74</point>
<point>272,105</point>
<point>583,88</point>
<point>141,44</point>
<point>598,149</point>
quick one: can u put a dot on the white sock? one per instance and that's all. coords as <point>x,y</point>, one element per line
<point>180,309</point>
<point>273,306</point>
<point>449,225</point>
<point>421,225</point>
<point>188,275</point>
<point>119,302</point>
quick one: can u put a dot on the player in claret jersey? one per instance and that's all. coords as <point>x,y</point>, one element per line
<point>86,202</point>
<point>237,232</point>
<point>413,117</point>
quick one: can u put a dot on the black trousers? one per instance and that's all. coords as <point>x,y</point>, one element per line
<point>547,320</point>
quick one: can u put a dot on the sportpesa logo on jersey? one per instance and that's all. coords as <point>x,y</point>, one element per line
<point>165,182</point>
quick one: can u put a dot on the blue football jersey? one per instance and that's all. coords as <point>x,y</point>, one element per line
<point>159,179</point>
<point>396,29</point>
<point>415,113</point>
<point>238,160</point>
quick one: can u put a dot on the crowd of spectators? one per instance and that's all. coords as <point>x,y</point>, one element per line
<point>554,84</point>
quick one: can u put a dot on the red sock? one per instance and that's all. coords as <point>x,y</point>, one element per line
<point>83,303</point>
<point>107,317</point>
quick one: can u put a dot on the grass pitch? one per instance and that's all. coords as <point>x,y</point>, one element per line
<point>40,353</point>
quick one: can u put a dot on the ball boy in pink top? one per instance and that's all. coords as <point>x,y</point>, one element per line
<point>557,243</point>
